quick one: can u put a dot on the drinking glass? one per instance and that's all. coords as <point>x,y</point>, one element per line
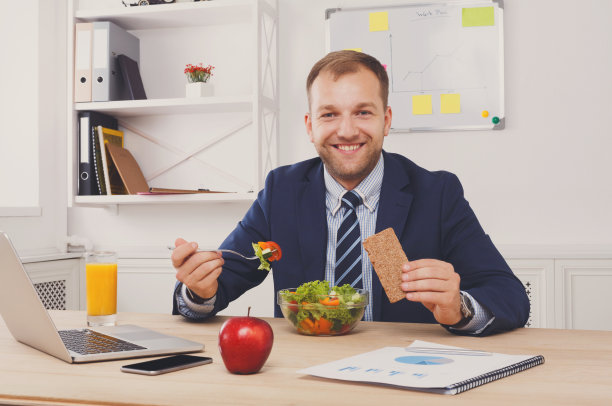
<point>101,277</point>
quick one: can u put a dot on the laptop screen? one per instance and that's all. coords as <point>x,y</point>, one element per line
<point>21,308</point>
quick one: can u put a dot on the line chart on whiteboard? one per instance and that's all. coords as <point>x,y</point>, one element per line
<point>444,71</point>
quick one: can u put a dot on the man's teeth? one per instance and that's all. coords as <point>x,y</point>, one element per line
<point>348,147</point>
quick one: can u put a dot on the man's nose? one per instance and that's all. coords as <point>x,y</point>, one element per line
<point>347,127</point>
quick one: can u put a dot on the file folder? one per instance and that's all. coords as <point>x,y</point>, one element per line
<point>131,77</point>
<point>131,175</point>
<point>86,181</point>
<point>109,41</point>
<point>88,120</point>
<point>82,62</point>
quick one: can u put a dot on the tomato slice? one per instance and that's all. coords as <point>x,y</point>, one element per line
<point>277,254</point>
<point>293,306</point>
<point>345,328</point>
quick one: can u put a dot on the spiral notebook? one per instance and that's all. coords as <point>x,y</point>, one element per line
<point>426,367</point>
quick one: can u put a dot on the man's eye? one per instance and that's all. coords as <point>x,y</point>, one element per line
<point>363,113</point>
<point>327,115</point>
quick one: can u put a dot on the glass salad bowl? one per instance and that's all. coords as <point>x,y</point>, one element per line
<point>320,314</point>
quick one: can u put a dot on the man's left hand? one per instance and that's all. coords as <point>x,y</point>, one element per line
<point>435,284</point>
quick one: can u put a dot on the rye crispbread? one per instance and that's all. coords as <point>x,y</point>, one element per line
<point>387,257</point>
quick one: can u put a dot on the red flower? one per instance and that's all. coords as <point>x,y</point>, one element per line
<point>198,73</point>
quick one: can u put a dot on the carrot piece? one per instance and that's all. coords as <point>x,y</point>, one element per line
<point>303,327</point>
<point>329,301</point>
<point>307,326</point>
<point>324,326</point>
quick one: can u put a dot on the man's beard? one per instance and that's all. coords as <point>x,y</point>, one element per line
<point>350,173</point>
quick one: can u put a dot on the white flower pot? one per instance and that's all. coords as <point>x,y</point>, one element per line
<point>198,89</point>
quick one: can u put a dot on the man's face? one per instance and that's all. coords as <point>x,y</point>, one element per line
<point>347,123</point>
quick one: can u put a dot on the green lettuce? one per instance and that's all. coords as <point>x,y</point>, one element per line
<point>263,256</point>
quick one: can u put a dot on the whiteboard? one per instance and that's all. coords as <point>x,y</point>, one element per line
<point>445,61</point>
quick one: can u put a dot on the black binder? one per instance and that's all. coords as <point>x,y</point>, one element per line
<point>87,122</point>
<point>131,77</point>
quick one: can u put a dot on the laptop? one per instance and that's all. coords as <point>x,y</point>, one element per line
<point>30,323</point>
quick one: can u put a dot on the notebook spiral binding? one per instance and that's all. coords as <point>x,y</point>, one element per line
<point>96,165</point>
<point>495,375</point>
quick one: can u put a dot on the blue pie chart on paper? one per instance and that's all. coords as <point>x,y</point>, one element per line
<point>423,360</point>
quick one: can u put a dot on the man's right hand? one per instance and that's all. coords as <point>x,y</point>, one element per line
<point>197,270</point>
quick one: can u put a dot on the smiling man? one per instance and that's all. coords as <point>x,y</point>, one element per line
<point>347,122</point>
<point>320,210</point>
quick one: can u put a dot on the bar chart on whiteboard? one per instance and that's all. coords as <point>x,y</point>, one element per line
<point>444,61</point>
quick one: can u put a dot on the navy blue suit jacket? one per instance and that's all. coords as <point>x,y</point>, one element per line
<point>426,210</point>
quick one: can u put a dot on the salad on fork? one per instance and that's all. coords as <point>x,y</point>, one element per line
<point>267,251</point>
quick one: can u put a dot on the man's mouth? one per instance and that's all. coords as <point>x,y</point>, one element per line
<point>347,147</point>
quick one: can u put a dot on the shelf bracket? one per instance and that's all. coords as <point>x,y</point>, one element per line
<point>267,43</point>
<point>183,156</point>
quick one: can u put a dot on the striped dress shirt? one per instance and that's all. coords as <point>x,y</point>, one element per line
<point>369,190</point>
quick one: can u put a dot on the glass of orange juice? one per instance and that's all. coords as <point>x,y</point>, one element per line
<point>101,281</point>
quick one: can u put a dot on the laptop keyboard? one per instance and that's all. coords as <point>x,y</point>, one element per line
<point>91,342</point>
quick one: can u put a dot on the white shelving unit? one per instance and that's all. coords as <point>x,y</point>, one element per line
<point>164,199</point>
<point>131,108</point>
<point>227,141</point>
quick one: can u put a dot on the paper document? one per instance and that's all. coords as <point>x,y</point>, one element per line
<point>426,367</point>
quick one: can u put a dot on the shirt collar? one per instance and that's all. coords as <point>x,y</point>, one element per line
<point>368,189</point>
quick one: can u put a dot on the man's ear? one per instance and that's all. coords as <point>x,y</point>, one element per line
<point>388,115</point>
<point>308,124</point>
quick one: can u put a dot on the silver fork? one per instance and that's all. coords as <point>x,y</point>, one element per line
<point>226,250</point>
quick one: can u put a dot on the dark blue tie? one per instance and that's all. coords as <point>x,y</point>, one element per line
<point>348,244</point>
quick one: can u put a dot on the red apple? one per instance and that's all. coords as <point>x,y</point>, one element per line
<point>245,343</point>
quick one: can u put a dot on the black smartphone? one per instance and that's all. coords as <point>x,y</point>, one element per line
<point>164,365</point>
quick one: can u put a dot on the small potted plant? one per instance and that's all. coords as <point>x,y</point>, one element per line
<point>197,78</point>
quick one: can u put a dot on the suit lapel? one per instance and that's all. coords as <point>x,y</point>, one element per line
<point>393,207</point>
<point>312,224</point>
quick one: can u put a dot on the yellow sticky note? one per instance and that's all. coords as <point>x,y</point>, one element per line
<point>353,49</point>
<point>450,103</point>
<point>379,21</point>
<point>477,16</point>
<point>421,104</point>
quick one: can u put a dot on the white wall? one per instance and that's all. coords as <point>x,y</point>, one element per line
<point>19,86</point>
<point>33,120</point>
<point>545,179</point>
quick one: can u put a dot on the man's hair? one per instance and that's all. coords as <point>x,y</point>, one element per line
<point>339,63</point>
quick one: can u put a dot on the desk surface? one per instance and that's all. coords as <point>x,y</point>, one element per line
<point>578,369</point>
